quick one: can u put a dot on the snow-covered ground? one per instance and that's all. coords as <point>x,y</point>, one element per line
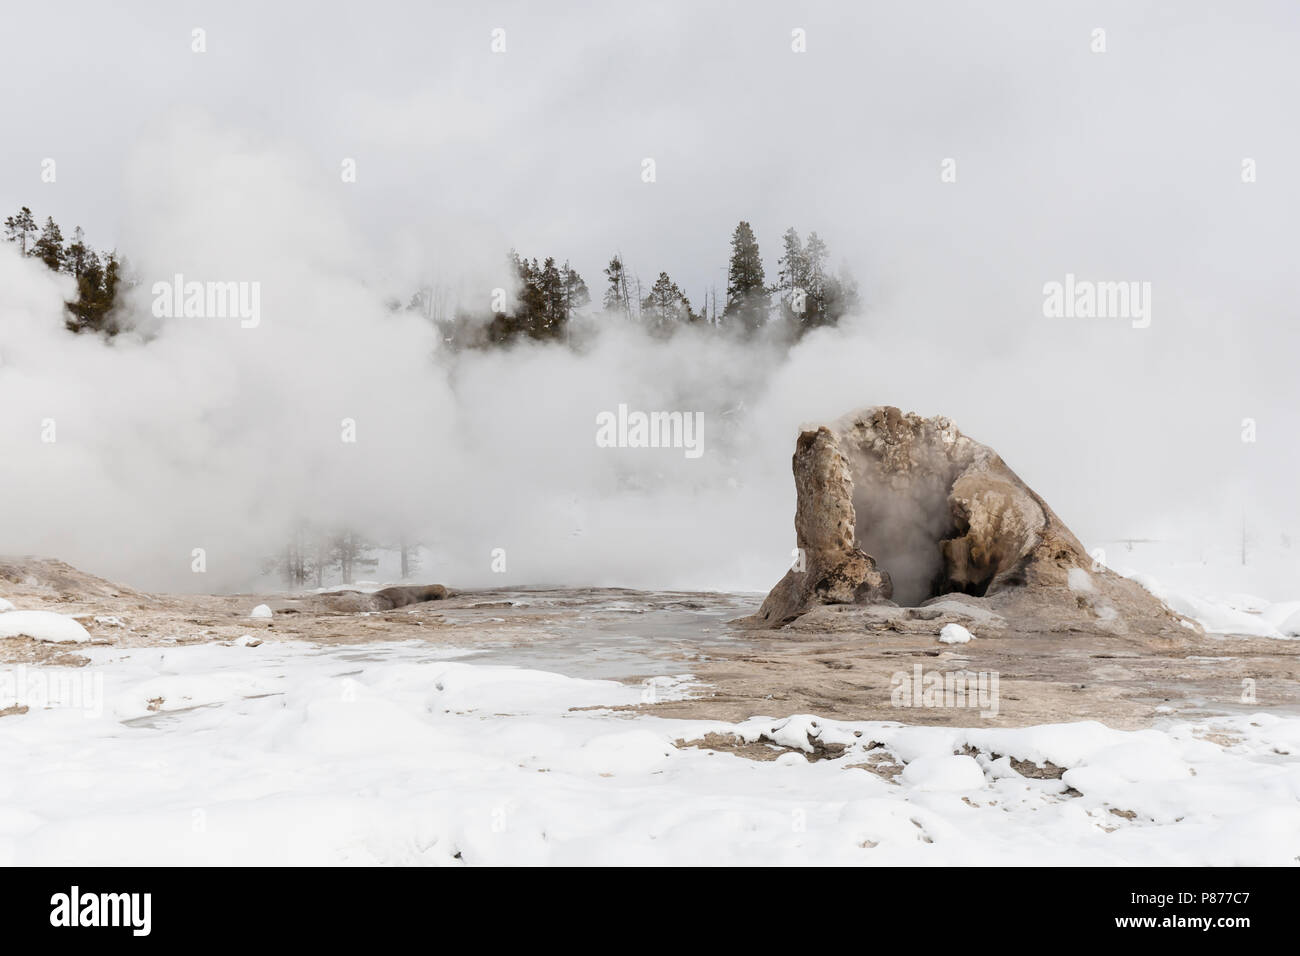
<point>399,753</point>
<point>1249,591</point>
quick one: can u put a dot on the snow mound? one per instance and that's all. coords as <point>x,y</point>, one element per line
<point>954,772</point>
<point>261,611</point>
<point>6,605</point>
<point>1291,626</point>
<point>1219,618</point>
<point>42,626</point>
<point>1216,617</point>
<point>955,634</point>
<point>804,732</point>
<point>1284,615</point>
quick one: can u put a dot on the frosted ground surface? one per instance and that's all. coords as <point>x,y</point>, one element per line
<point>400,753</point>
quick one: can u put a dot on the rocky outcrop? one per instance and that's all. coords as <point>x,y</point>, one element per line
<point>55,580</point>
<point>897,509</point>
<point>829,568</point>
<point>385,599</point>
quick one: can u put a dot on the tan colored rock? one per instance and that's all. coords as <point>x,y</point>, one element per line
<point>830,569</point>
<point>893,505</point>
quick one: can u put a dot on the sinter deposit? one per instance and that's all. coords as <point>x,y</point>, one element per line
<point>898,511</point>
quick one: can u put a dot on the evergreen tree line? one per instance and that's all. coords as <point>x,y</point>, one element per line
<point>549,295</point>
<point>97,274</point>
<point>805,295</point>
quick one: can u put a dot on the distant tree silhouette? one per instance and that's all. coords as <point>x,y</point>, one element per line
<point>748,299</point>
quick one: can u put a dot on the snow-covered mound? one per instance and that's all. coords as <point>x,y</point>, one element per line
<point>1236,614</point>
<point>42,626</point>
<point>954,634</point>
<point>1285,616</point>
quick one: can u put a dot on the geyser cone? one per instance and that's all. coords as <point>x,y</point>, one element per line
<point>894,508</point>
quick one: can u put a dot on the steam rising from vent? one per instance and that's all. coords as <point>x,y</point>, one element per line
<point>187,434</point>
<point>901,523</point>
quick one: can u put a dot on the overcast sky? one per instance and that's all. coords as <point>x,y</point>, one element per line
<point>1121,165</point>
<point>1064,156</point>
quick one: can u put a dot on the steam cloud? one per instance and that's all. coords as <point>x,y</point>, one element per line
<point>186,433</point>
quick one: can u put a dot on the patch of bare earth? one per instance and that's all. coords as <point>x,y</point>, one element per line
<point>1125,681</point>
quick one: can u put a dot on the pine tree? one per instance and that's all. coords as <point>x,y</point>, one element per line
<point>532,302</point>
<point>97,279</point>
<point>576,295</point>
<point>523,320</point>
<point>21,228</point>
<point>792,278</point>
<point>793,263</point>
<point>747,294</point>
<point>815,258</point>
<point>665,306</point>
<point>829,297</point>
<point>75,259</point>
<point>90,284</point>
<point>97,287</point>
<point>550,283</point>
<point>49,247</point>
<point>108,293</point>
<point>548,295</point>
<point>839,297</point>
<point>616,296</point>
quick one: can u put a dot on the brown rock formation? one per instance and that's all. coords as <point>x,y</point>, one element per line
<point>385,599</point>
<point>831,570</point>
<point>904,507</point>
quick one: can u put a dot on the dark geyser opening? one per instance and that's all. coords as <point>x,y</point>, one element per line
<point>903,526</point>
<point>903,515</point>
